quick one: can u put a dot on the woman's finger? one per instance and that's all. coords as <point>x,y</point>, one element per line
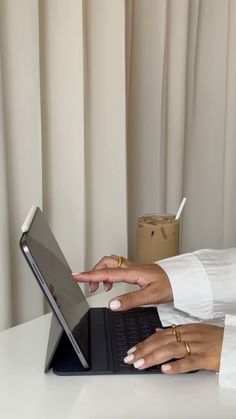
<point>109,274</point>
<point>191,363</point>
<point>151,344</point>
<point>157,357</point>
<point>93,286</point>
<point>107,285</point>
<point>107,262</point>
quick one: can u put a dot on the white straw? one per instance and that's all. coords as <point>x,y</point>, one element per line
<point>181,207</point>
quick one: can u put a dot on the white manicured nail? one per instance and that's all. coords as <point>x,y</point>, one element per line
<point>128,358</point>
<point>75,273</point>
<point>166,368</point>
<point>139,363</point>
<point>131,350</point>
<point>115,304</point>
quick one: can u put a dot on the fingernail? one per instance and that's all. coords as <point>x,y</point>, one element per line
<point>166,368</point>
<point>115,304</point>
<point>157,330</point>
<point>139,363</point>
<point>128,358</point>
<point>131,350</point>
<point>75,273</point>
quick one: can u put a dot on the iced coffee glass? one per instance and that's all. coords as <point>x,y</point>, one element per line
<point>157,237</point>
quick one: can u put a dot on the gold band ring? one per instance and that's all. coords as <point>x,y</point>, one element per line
<point>173,329</point>
<point>188,350</point>
<point>176,332</point>
<point>120,261</point>
<point>177,335</point>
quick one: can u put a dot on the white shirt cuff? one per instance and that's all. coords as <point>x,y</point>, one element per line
<point>169,315</point>
<point>190,285</point>
<point>227,376</point>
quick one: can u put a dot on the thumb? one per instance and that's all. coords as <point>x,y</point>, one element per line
<point>131,300</point>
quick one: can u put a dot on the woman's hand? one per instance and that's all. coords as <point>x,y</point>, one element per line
<point>199,347</point>
<point>152,280</point>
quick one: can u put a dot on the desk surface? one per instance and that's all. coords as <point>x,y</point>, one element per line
<point>26,392</point>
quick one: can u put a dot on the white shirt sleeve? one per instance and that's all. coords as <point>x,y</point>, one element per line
<point>203,282</point>
<point>227,376</point>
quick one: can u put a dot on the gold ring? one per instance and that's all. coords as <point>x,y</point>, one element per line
<point>120,261</point>
<point>188,350</point>
<point>177,335</point>
<point>176,332</point>
<point>173,329</point>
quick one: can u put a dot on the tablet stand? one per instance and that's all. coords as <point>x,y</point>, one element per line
<point>61,356</point>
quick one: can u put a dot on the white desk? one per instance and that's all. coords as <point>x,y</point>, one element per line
<point>27,393</point>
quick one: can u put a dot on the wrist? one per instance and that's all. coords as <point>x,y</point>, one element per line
<point>167,293</point>
<point>167,287</point>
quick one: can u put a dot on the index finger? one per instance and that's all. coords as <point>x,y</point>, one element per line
<point>109,275</point>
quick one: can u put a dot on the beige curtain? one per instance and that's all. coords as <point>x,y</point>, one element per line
<point>109,109</point>
<point>181,117</point>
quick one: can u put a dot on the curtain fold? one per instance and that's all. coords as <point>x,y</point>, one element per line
<point>105,150</point>
<point>175,69</point>
<point>5,264</point>
<point>21,141</point>
<point>108,110</point>
<point>206,137</point>
<point>229,175</point>
<point>145,145</point>
<point>62,103</point>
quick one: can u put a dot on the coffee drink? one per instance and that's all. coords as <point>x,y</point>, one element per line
<point>157,237</point>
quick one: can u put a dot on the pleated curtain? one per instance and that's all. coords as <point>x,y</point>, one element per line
<point>110,109</point>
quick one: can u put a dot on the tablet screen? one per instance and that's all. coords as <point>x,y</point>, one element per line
<point>56,273</point>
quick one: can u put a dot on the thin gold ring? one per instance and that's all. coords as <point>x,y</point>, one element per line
<point>173,329</point>
<point>177,335</point>
<point>176,332</point>
<point>120,261</point>
<point>188,350</point>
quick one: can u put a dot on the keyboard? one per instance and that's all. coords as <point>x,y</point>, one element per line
<point>129,328</point>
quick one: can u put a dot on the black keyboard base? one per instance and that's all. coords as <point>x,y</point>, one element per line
<point>107,348</point>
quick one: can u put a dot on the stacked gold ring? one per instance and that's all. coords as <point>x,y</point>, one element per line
<point>188,350</point>
<point>176,332</point>
<point>120,261</point>
<point>173,327</point>
<point>177,335</point>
